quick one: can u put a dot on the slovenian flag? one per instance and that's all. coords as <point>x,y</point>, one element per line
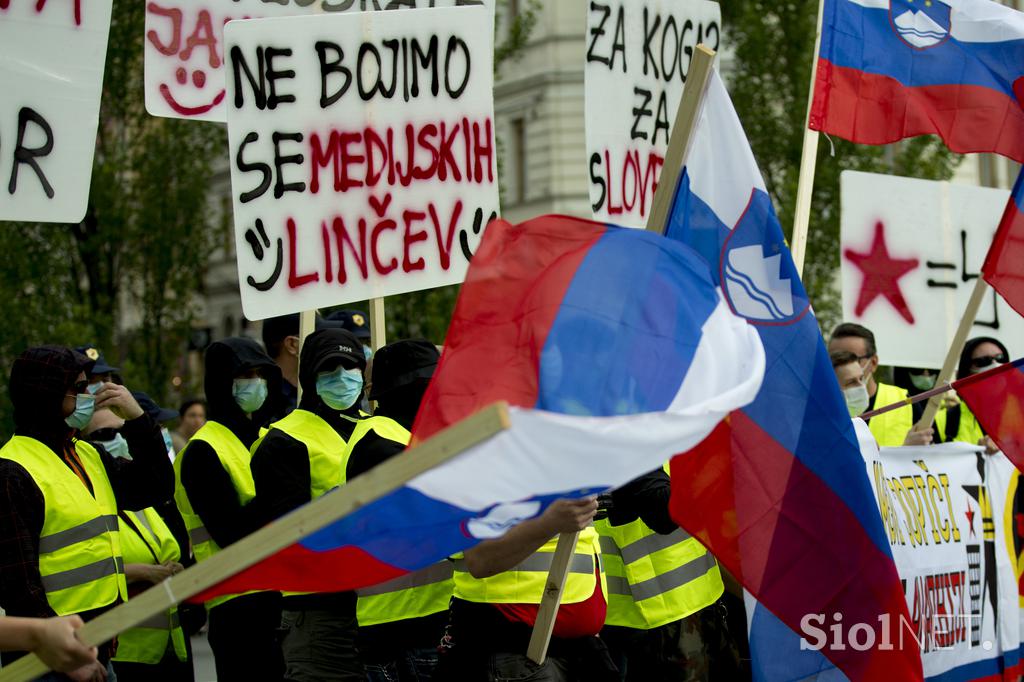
<point>779,492</point>
<point>614,349</point>
<point>891,69</point>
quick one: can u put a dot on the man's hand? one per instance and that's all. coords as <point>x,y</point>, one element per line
<point>59,648</point>
<point>569,516</point>
<point>990,445</point>
<point>92,672</point>
<point>118,400</point>
<point>922,437</point>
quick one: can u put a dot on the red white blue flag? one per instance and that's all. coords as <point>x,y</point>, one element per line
<point>614,349</point>
<point>892,69</point>
<point>1004,264</point>
<point>779,492</point>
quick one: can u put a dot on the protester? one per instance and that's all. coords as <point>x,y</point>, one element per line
<point>216,497</point>
<point>192,414</point>
<point>401,621</point>
<point>498,588</point>
<point>957,423</point>
<point>850,376</point>
<point>661,583</point>
<point>101,372</point>
<point>51,639</point>
<point>892,428</point>
<point>281,339</point>
<point>59,491</point>
<point>356,322</point>
<point>303,456</point>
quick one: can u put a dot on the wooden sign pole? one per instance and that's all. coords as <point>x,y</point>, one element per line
<point>683,130</point>
<point>378,334</point>
<point>808,164</point>
<point>286,531</point>
<point>953,354</point>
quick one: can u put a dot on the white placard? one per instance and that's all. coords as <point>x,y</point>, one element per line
<point>352,180</point>
<point>638,54</point>
<point>184,45</point>
<point>51,73</point>
<point>911,251</point>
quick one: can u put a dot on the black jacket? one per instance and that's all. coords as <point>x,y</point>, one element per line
<point>206,481</point>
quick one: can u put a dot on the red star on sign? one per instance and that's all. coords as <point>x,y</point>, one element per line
<point>882,275</point>
<point>970,517</point>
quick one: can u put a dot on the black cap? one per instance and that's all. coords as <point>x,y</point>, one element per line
<point>354,321</point>
<point>277,329</point>
<point>149,406</point>
<point>100,366</point>
<point>400,363</point>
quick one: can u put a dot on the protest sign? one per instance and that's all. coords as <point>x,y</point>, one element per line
<point>638,56</point>
<point>942,510</point>
<point>362,153</point>
<point>184,45</point>
<point>51,76</point>
<point>911,251</point>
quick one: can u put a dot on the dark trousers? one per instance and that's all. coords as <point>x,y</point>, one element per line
<point>243,636</point>
<point>412,665</point>
<point>320,646</point>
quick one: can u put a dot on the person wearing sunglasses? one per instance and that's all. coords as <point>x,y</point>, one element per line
<point>956,423</point>
<point>59,536</point>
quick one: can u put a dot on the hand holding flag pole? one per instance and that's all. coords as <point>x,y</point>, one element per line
<point>675,158</point>
<point>287,530</point>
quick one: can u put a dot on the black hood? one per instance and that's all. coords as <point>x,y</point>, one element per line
<point>40,378</point>
<point>964,370</point>
<point>225,360</point>
<point>320,352</point>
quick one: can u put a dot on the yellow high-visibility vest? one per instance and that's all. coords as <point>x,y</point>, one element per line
<point>655,579</point>
<point>524,583</point>
<point>968,430</point>
<point>890,429</point>
<point>150,541</point>
<point>421,593</point>
<point>234,457</point>
<point>80,560</point>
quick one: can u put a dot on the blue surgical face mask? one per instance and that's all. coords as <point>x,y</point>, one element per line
<point>94,388</point>
<point>250,394</point>
<point>341,388</point>
<point>367,353</point>
<point>117,447</point>
<point>85,403</point>
<point>168,443</point>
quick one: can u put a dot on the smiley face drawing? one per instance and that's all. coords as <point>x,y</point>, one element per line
<point>184,63</point>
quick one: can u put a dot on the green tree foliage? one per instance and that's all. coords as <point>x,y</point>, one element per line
<point>140,253</point>
<point>773,44</point>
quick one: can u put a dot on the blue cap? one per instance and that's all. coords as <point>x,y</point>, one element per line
<point>354,321</point>
<point>100,366</point>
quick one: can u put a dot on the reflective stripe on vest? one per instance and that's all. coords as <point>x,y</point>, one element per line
<point>421,593</point>
<point>890,429</point>
<point>80,561</point>
<point>234,457</point>
<point>328,452</point>
<point>655,579</point>
<point>524,584</point>
<point>148,540</point>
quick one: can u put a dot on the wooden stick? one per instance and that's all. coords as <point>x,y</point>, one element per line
<point>537,651</point>
<point>307,325</point>
<point>378,335</point>
<point>683,129</point>
<point>938,390</point>
<point>808,164</point>
<point>953,354</point>
<point>286,531</point>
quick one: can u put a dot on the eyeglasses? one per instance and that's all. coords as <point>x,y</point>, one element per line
<point>987,360</point>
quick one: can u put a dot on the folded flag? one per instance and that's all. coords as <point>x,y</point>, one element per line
<point>891,69</point>
<point>1004,264</point>
<point>996,399</point>
<point>779,491</point>
<point>613,347</point>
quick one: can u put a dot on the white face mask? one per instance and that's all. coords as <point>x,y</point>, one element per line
<point>856,399</point>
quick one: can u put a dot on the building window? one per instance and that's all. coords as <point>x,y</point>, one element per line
<point>518,157</point>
